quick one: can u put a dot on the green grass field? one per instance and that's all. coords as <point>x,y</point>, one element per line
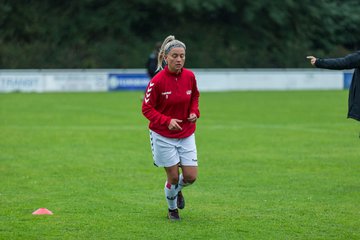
<point>272,165</point>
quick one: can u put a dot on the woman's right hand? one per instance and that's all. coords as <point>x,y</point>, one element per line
<point>174,124</point>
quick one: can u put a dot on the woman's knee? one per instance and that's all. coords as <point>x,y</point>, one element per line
<point>173,179</point>
<point>172,174</point>
<point>189,174</point>
<point>190,179</point>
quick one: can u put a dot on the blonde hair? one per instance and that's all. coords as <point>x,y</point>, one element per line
<point>169,43</point>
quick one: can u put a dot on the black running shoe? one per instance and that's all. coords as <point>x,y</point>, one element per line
<point>173,215</point>
<point>180,200</point>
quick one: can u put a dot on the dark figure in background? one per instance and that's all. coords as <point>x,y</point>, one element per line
<point>151,64</point>
<point>351,61</point>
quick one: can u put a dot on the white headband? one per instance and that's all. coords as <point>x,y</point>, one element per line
<point>173,44</point>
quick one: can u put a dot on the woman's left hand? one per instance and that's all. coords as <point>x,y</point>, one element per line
<point>192,117</point>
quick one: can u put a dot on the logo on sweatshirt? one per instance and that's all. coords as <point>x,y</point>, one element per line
<point>166,94</point>
<point>188,92</point>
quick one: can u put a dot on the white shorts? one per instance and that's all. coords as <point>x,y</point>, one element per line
<point>168,152</point>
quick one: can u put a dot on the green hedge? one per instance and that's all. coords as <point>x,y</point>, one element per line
<point>218,33</point>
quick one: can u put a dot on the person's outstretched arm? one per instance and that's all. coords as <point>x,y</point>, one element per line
<point>348,62</point>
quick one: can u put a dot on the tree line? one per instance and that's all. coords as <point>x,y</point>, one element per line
<point>218,33</point>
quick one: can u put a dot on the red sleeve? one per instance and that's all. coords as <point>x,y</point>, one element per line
<point>150,102</point>
<point>194,105</point>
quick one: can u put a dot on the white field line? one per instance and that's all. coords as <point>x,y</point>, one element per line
<point>74,127</point>
<point>326,128</point>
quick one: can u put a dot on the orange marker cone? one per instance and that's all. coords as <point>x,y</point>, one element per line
<point>42,211</point>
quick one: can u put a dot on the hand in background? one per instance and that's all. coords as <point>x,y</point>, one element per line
<point>312,59</point>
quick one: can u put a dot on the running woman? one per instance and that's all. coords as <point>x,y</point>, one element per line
<point>171,104</point>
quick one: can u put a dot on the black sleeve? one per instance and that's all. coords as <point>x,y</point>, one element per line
<point>348,62</point>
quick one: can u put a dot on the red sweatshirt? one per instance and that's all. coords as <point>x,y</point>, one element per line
<point>169,95</point>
